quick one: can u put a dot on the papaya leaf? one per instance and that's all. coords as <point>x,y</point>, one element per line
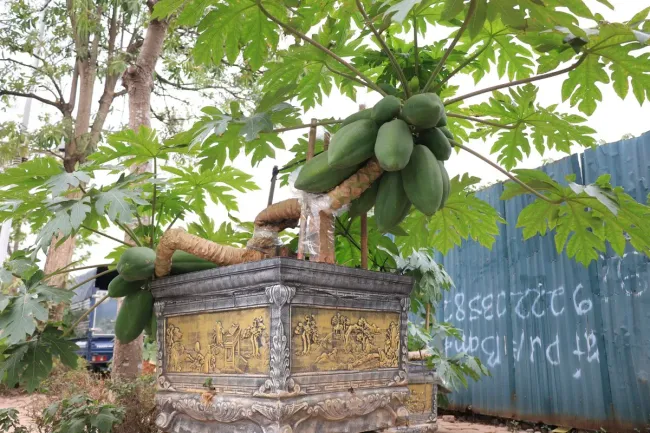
<point>581,89</point>
<point>30,362</point>
<point>63,181</point>
<point>19,319</point>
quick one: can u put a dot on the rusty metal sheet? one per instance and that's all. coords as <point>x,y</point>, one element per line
<point>566,345</point>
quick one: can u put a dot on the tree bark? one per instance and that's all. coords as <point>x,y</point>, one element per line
<point>138,80</point>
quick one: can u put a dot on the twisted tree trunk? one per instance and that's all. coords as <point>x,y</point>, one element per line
<point>268,223</point>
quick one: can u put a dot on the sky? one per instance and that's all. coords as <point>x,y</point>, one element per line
<point>613,118</point>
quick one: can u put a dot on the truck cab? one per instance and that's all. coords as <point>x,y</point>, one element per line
<point>95,334</point>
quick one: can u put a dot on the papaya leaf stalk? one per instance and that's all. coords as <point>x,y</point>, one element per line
<point>479,120</point>
<point>84,315</point>
<point>520,82</point>
<point>97,232</point>
<point>450,49</point>
<point>385,49</point>
<point>504,171</point>
<point>312,42</point>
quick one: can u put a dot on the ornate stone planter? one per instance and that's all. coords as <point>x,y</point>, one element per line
<point>282,345</point>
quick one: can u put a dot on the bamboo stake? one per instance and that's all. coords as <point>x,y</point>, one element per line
<point>311,146</point>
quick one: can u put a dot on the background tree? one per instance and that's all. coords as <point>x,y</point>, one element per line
<point>74,66</point>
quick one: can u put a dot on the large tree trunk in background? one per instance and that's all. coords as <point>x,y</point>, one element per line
<point>84,138</point>
<point>138,80</point>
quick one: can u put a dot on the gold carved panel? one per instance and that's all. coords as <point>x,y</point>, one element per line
<point>421,398</point>
<point>225,342</point>
<point>324,339</point>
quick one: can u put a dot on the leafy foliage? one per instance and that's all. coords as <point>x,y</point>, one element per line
<point>464,217</point>
<point>80,414</point>
<point>584,218</point>
<point>527,124</point>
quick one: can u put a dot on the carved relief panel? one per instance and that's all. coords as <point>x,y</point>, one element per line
<point>228,342</point>
<point>326,339</point>
<point>421,398</point>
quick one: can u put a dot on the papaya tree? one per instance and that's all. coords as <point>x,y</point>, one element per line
<point>398,147</point>
<point>385,157</point>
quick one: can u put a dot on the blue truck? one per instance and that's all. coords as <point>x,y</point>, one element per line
<point>95,335</point>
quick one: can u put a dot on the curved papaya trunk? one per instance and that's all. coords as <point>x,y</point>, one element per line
<point>268,224</point>
<point>179,239</point>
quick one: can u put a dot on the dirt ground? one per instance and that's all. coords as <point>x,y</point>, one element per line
<point>22,403</point>
<point>466,427</point>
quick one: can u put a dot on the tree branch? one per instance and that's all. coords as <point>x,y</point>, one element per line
<point>386,49</point>
<point>322,48</point>
<point>519,82</point>
<point>196,88</point>
<point>55,104</point>
<point>461,30</point>
<point>502,170</point>
<point>479,120</point>
<point>462,65</point>
<point>39,70</point>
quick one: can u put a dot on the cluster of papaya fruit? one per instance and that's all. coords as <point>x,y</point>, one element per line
<point>411,142</point>
<point>135,271</point>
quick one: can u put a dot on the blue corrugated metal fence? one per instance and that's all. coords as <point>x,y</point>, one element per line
<point>566,344</point>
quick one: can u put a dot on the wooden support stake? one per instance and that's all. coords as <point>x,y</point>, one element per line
<point>311,146</point>
<point>274,177</point>
<point>428,321</point>
<point>364,227</point>
<point>326,226</point>
<point>364,241</point>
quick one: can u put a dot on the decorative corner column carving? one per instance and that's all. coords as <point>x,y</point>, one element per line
<point>161,379</point>
<point>279,383</point>
<point>280,294</point>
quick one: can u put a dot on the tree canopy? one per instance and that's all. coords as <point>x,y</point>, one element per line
<point>301,51</point>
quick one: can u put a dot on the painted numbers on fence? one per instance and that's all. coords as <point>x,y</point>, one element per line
<point>478,311</point>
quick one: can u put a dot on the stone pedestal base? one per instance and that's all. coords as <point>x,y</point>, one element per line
<point>283,346</point>
<point>342,412</point>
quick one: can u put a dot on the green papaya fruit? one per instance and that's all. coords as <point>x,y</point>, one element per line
<point>183,262</point>
<point>443,120</point>
<point>134,315</point>
<point>423,110</point>
<point>119,287</point>
<point>446,185</point>
<point>363,114</point>
<point>447,132</point>
<point>353,144</point>
<point>437,142</point>
<point>414,84</point>
<point>391,90</point>
<point>392,204</point>
<point>386,109</point>
<point>317,176</point>
<point>394,145</point>
<point>136,263</point>
<point>152,327</point>
<point>423,181</point>
<point>365,202</point>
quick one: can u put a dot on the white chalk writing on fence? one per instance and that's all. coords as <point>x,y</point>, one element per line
<point>530,304</point>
